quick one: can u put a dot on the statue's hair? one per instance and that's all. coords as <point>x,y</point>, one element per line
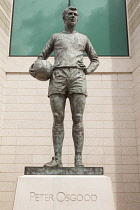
<point>67,9</point>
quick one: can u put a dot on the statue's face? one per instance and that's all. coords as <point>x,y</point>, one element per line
<point>71,17</point>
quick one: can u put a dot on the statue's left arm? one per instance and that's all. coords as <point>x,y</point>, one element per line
<point>94,62</point>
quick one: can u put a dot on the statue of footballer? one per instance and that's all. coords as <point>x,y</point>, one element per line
<point>67,80</point>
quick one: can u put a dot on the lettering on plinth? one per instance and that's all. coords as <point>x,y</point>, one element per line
<point>62,197</point>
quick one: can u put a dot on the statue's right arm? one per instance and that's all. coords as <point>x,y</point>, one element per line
<point>47,50</point>
<point>94,61</point>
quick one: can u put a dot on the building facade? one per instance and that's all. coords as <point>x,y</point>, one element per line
<point>111,119</point>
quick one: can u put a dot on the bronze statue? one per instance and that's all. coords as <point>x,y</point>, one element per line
<point>68,79</point>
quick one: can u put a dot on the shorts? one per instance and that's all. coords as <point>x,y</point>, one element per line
<point>67,81</point>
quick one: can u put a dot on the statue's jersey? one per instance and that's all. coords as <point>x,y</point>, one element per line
<point>69,49</point>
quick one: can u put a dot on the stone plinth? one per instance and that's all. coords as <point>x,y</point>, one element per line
<point>63,171</point>
<point>64,193</point>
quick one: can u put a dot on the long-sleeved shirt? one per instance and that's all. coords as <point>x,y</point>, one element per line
<point>69,50</point>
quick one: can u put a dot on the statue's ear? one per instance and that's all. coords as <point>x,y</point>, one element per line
<point>64,19</point>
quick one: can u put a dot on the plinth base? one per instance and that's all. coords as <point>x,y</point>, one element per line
<point>63,171</point>
<point>64,193</point>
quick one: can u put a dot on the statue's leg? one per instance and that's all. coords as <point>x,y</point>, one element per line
<point>77,103</point>
<point>57,102</point>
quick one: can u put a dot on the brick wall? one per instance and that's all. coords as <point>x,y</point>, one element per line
<point>5,18</point>
<point>5,9</point>
<point>134,28</point>
<point>4,32</point>
<point>110,137</point>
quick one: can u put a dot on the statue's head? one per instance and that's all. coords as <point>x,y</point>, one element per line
<point>70,15</point>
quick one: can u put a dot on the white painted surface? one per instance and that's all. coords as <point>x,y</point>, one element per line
<point>64,193</point>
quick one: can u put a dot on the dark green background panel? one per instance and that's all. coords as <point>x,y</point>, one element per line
<point>103,21</point>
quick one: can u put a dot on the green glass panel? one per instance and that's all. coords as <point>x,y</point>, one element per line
<point>103,21</point>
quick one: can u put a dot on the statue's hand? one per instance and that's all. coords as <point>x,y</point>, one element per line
<point>82,66</point>
<point>41,70</point>
<point>32,71</point>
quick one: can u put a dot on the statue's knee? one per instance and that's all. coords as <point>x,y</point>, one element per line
<point>77,118</point>
<point>58,118</point>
